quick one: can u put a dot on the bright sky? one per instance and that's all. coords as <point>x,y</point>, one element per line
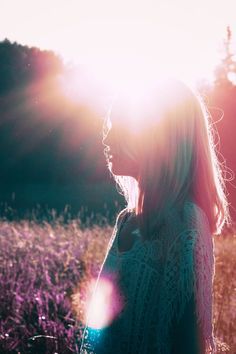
<point>111,37</point>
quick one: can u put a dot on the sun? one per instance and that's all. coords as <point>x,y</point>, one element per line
<point>119,57</point>
<point>114,47</point>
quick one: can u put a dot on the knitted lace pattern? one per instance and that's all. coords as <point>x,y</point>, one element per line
<point>156,280</point>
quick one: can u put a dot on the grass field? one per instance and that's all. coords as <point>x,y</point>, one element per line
<point>43,266</point>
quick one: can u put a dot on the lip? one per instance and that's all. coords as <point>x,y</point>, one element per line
<point>111,155</point>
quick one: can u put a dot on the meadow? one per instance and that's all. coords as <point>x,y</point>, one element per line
<point>45,271</point>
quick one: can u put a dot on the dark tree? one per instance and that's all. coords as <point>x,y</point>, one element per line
<point>222,105</point>
<point>20,65</point>
<point>225,72</point>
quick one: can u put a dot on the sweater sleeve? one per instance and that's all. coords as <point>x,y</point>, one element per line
<point>204,272</point>
<point>186,336</point>
<point>186,289</point>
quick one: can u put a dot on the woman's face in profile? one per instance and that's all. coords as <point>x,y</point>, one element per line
<point>121,159</point>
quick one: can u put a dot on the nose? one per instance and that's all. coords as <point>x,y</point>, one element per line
<point>105,141</point>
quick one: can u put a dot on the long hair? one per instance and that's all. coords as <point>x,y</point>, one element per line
<point>177,158</point>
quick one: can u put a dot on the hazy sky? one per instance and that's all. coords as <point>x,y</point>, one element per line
<point>109,37</point>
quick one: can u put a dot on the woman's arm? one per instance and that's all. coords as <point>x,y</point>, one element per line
<point>185,303</point>
<point>186,335</point>
<point>204,272</point>
<point>194,330</point>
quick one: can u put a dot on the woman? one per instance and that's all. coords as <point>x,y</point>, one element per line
<point>155,284</point>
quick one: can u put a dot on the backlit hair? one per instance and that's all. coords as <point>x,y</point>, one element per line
<point>176,153</point>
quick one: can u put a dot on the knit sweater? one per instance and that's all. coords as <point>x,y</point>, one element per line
<point>160,298</point>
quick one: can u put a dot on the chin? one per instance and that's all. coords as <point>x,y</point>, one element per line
<point>118,171</point>
<point>115,170</point>
<point>118,168</point>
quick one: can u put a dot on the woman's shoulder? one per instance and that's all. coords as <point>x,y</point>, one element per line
<point>194,216</point>
<point>189,217</point>
<point>122,215</point>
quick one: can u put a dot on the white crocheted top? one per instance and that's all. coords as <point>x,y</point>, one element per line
<point>155,281</point>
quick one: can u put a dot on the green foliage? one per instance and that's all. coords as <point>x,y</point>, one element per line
<point>45,137</point>
<point>20,65</point>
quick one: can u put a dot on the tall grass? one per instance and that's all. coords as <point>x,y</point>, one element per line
<point>225,290</point>
<point>44,265</point>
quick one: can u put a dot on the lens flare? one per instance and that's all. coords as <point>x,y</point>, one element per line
<point>106,303</point>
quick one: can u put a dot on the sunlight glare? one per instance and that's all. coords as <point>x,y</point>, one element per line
<point>105,304</point>
<point>142,103</point>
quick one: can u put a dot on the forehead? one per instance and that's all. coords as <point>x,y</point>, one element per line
<point>125,116</point>
<point>139,109</point>
<point>118,129</point>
